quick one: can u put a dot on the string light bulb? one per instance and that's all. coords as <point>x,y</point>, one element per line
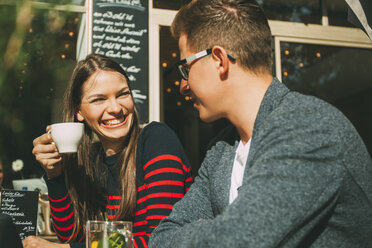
<point>176,83</point>
<point>169,90</point>
<point>164,64</point>
<point>286,52</point>
<point>285,73</point>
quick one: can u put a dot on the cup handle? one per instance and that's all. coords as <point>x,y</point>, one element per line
<point>51,132</point>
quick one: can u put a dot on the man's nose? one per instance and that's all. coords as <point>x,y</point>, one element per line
<point>184,87</point>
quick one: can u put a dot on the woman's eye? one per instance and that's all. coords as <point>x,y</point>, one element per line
<point>96,100</point>
<point>124,94</point>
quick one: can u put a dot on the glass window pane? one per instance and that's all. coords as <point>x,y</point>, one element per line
<point>339,75</point>
<point>306,11</point>
<point>37,54</point>
<point>337,13</point>
<point>169,4</point>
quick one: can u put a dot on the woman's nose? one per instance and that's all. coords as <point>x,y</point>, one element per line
<point>184,87</point>
<point>113,106</point>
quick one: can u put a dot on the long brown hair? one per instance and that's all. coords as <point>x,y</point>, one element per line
<point>82,171</point>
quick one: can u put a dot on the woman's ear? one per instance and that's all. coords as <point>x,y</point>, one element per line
<point>79,116</point>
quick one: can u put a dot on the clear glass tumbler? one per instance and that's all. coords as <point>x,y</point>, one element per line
<point>109,234</point>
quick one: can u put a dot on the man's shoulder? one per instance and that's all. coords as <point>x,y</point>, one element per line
<point>309,111</point>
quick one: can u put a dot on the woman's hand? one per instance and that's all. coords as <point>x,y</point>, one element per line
<point>36,242</point>
<point>47,155</point>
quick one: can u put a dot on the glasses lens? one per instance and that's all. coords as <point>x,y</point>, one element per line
<point>184,72</point>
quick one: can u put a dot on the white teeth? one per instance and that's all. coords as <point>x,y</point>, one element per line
<point>112,122</point>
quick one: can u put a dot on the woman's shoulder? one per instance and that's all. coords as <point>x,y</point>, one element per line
<point>155,128</point>
<point>158,136</point>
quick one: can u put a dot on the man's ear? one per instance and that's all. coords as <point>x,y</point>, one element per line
<point>221,59</point>
<point>79,116</point>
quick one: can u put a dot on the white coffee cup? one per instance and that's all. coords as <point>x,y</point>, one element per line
<point>67,136</point>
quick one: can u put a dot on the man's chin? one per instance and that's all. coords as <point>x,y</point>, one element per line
<point>208,119</point>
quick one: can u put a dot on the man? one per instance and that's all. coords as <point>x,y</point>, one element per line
<point>291,171</point>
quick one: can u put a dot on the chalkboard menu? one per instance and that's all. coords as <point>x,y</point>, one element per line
<point>22,206</point>
<point>120,31</point>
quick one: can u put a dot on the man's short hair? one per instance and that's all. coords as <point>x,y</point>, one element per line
<point>239,26</point>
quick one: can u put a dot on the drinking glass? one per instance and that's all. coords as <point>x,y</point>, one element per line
<point>108,234</point>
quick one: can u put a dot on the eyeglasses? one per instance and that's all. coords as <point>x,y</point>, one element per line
<point>184,68</point>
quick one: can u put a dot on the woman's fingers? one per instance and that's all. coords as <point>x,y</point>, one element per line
<point>43,139</point>
<point>36,242</point>
<point>46,153</point>
<point>45,149</point>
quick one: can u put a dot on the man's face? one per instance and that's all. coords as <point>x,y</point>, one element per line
<point>202,84</point>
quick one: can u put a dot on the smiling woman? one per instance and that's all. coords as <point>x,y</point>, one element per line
<point>107,107</point>
<point>129,174</point>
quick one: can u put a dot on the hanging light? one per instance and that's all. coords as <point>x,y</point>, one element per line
<point>169,90</point>
<point>286,52</point>
<point>179,103</point>
<point>164,64</point>
<point>285,73</point>
<point>176,83</point>
<point>174,54</point>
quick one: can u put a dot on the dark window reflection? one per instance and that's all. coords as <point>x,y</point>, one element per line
<point>169,4</point>
<point>306,11</point>
<point>337,13</point>
<point>36,60</point>
<point>341,76</point>
<point>178,112</point>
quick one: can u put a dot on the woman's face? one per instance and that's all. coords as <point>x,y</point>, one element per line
<point>107,107</point>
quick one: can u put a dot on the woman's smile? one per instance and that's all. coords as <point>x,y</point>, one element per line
<point>114,122</point>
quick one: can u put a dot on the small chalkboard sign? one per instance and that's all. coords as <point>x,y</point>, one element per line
<point>120,31</point>
<point>22,206</point>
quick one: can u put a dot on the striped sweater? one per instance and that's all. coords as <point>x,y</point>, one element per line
<point>163,177</point>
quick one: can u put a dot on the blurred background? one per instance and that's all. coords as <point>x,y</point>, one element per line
<point>316,51</point>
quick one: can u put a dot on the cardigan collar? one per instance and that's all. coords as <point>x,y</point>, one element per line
<point>271,100</point>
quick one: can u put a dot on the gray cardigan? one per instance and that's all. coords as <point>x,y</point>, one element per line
<point>307,183</point>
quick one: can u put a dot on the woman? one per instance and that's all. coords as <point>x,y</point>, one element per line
<point>129,174</point>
